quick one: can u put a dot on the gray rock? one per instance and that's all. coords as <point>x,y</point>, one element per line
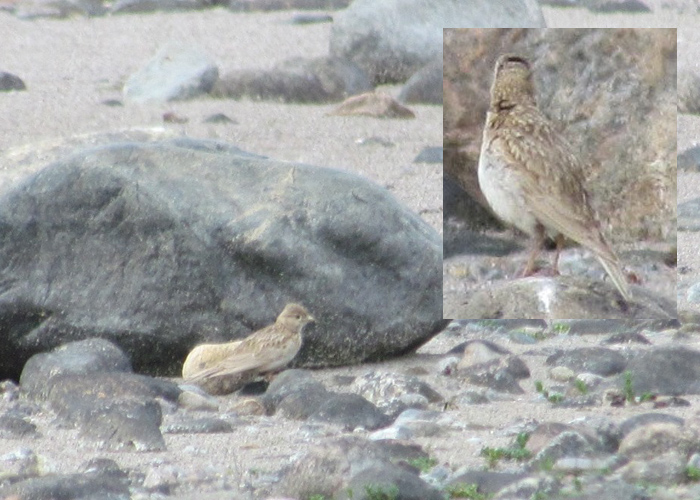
<point>178,71</point>
<point>488,482</point>
<point>350,411</point>
<point>15,426</point>
<point>388,481</point>
<point>429,155</point>
<point>495,375</point>
<point>318,80</point>
<point>664,370</point>
<point>105,486</point>
<point>598,360</point>
<point>616,6</point>
<point>568,444</point>
<point>638,421</point>
<point>82,357</point>
<point>424,86</point>
<point>389,390</point>
<point>8,81</point>
<point>326,469</point>
<point>206,425</point>
<point>690,158</point>
<point>115,410</point>
<point>530,487</point>
<point>392,39</point>
<point>139,6</point>
<point>267,5</point>
<point>190,228</point>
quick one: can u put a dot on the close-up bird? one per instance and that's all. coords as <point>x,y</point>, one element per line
<point>224,368</point>
<point>531,177</point>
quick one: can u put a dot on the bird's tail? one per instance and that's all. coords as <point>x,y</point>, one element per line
<point>612,267</point>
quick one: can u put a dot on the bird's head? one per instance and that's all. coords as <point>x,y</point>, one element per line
<point>295,317</point>
<point>512,83</point>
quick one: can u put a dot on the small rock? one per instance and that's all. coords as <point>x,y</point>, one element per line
<point>429,155</point>
<point>561,373</point>
<point>351,411</point>
<point>8,82</point>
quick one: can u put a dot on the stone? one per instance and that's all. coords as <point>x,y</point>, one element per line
<point>424,86</point>
<point>8,82</point>
<point>392,39</point>
<point>205,425</point>
<point>388,481</point>
<point>267,5</point>
<point>350,411</point>
<point>194,223</point>
<point>671,371</point>
<point>82,357</point>
<point>106,486</point>
<point>177,72</point>
<point>14,426</point>
<point>598,360</point>
<point>389,390</point>
<point>301,80</point>
<point>429,155</point>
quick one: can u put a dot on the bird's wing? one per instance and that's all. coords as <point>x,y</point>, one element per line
<point>563,205</point>
<point>251,353</point>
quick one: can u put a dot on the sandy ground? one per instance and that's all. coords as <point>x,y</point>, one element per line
<point>71,66</point>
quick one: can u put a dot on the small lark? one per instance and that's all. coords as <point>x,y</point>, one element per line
<point>223,368</point>
<point>530,175</point>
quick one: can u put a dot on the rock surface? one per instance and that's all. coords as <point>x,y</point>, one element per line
<point>392,39</point>
<point>154,245</point>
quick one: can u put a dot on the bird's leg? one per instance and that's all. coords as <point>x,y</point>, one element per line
<point>537,242</point>
<point>559,240</point>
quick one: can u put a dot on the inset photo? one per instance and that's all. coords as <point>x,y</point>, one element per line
<point>559,183</point>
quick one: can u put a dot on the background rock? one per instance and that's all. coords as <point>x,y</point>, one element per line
<point>392,39</point>
<point>178,71</point>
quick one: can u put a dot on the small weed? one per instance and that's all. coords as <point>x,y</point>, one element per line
<point>463,490</point>
<point>578,485</point>
<point>317,497</point>
<point>547,465</point>
<point>378,492</point>
<point>561,328</point>
<point>423,464</point>
<point>628,388</point>
<point>581,386</point>
<point>552,397</point>
<point>646,396</point>
<point>539,495</point>
<point>517,451</point>
<point>693,473</point>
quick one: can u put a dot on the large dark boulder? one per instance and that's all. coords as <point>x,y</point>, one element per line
<point>161,246</point>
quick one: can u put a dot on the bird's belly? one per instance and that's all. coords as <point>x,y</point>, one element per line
<point>503,191</point>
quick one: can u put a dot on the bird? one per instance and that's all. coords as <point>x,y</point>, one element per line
<point>224,368</point>
<point>531,177</point>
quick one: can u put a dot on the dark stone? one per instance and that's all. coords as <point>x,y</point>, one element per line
<point>351,411</point>
<point>627,338</point>
<point>429,155</point>
<point>13,426</point>
<point>219,118</point>
<point>425,86</point>
<point>672,371</point>
<point>302,19</point>
<point>79,358</point>
<point>488,482</point>
<point>189,228</point>
<point>390,391</point>
<point>318,80</point>
<point>117,410</point>
<point>140,6</point>
<point>616,6</point>
<point>105,486</point>
<point>291,383</point>
<point>304,402</point>
<point>322,468</point>
<point>268,5</point>
<point>389,481</point>
<point>206,425</point>
<point>8,81</point>
<point>690,159</point>
<point>113,103</point>
<point>598,360</point>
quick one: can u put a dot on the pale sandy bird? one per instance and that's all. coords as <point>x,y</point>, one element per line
<point>530,175</point>
<point>222,368</point>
